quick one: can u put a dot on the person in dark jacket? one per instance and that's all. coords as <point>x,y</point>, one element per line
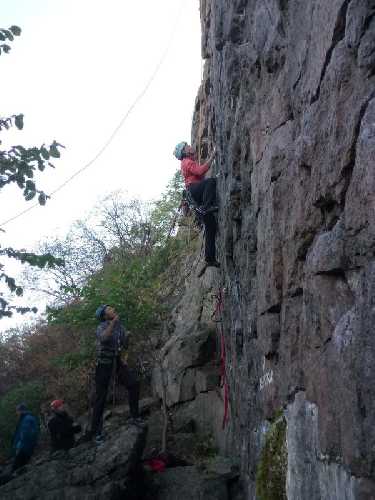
<point>62,427</point>
<point>25,437</point>
<point>111,341</point>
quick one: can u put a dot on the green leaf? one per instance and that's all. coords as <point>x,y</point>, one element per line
<point>29,195</point>
<point>42,198</point>
<point>8,34</point>
<point>53,151</point>
<point>19,122</point>
<point>44,153</point>
<point>30,185</point>
<point>16,30</point>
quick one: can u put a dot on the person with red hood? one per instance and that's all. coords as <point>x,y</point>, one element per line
<point>62,427</point>
<point>203,192</point>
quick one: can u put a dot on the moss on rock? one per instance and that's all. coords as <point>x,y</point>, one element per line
<point>272,466</point>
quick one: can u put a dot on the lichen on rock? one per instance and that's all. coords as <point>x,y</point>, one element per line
<point>272,465</point>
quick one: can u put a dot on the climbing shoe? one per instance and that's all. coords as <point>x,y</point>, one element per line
<point>99,439</point>
<point>211,210</point>
<point>137,421</point>
<point>204,211</point>
<point>212,263</point>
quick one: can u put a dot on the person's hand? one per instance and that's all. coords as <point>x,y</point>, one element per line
<point>115,318</point>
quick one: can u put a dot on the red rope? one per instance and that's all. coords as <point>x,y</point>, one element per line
<point>223,377</point>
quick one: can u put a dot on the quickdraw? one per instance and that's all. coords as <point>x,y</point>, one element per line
<point>217,314</point>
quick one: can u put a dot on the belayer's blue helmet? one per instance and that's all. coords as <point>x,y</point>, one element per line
<point>179,150</point>
<point>100,312</point>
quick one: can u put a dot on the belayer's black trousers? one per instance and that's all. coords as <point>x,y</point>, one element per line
<point>204,193</point>
<point>126,377</point>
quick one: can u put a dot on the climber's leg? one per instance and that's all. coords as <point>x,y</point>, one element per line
<point>204,195</point>
<point>209,193</point>
<point>102,378</point>
<point>128,378</point>
<point>210,235</point>
<point>196,190</point>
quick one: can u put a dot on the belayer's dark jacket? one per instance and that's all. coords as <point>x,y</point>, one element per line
<point>62,429</point>
<point>108,349</point>
<point>26,436</point>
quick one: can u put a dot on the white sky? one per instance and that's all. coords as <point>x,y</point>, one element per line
<point>74,72</point>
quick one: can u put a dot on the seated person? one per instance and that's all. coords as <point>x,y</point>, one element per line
<point>62,427</point>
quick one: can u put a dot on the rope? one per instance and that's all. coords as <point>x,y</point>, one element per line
<point>200,118</point>
<point>119,126</point>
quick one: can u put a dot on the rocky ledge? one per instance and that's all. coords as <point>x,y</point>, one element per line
<point>108,471</point>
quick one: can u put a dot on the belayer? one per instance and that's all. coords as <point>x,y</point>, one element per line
<point>62,427</point>
<point>203,192</point>
<point>111,341</point>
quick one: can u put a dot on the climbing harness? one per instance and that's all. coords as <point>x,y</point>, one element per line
<point>217,316</point>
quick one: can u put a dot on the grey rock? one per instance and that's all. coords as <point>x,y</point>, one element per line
<point>305,458</point>
<point>85,472</point>
<point>181,360</point>
<point>288,100</point>
<point>206,482</point>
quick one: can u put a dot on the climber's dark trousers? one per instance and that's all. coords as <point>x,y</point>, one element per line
<point>204,193</point>
<point>210,235</point>
<point>126,377</point>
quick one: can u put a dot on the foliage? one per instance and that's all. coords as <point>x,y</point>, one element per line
<point>205,447</point>
<point>272,466</point>
<point>29,393</point>
<point>18,166</point>
<point>7,35</point>
<point>165,209</point>
<point>119,257</point>
<point>138,249</point>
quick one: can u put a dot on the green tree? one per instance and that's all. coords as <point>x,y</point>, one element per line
<point>18,166</point>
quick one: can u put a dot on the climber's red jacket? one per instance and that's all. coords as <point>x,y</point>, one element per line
<point>192,171</point>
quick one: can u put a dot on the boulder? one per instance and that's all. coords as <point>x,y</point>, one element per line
<point>209,481</point>
<point>85,472</point>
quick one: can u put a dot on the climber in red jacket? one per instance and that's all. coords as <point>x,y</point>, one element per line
<point>203,192</point>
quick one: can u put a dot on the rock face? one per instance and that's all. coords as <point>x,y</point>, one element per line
<point>85,472</point>
<point>212,482</point>
<point>288,98</point>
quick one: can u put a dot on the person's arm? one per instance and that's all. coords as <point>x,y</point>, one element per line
<point>124,338</point>
<point>108,331</point>
<point>195,168</point>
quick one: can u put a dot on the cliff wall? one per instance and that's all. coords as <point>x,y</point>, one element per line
<point>288,99</point>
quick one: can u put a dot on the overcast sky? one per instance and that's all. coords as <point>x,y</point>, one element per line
<point>74,72</point>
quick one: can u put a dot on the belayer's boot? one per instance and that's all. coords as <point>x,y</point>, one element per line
<point>137,421</point>
<point>204,211</point>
